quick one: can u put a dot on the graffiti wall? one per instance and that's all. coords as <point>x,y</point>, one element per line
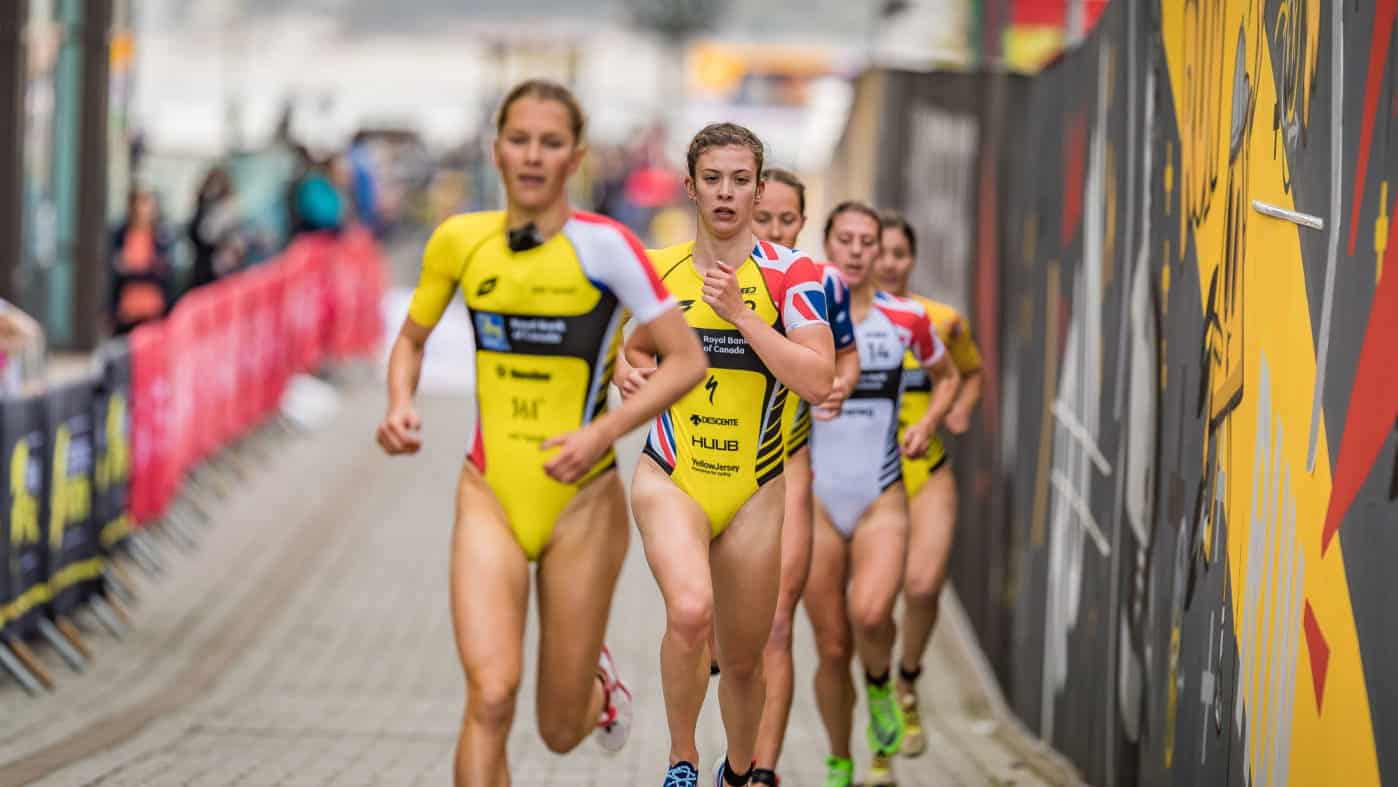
<point>1191,440</point>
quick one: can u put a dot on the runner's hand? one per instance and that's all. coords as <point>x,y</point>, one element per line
<point>916,440</point>
<point>958,421</point>
<point>578,451</point>
<point>400,432</point>
<point>721,291</point>
<point>634,380</point>
<point>829,409</point>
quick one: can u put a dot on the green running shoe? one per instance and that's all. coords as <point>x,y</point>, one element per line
<point>885,720</point>
<point>839,772</point>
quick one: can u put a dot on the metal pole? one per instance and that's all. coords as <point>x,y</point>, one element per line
<point>12,83</point>
<point>90,246</point>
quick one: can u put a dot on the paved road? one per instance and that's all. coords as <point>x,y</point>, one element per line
<point>307,642</point>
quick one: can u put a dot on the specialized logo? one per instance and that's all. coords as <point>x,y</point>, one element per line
<point>487,286</point>
<point>490,332</point>
<point>711,386</point>
<point>698,420</point>
<point>528,375</point>
<point>686,304</point>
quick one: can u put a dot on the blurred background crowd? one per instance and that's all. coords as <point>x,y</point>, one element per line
<point>162,144</point>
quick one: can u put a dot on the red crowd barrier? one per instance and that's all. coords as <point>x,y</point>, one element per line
<point>219,363</point>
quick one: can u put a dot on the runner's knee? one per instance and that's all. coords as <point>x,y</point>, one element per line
<point>835,647</point>
<point>690,618</point>
<point>562,729</point>
<point>490,699</point>
<point>922,586</point>
<point>741,666</point>
<point>869,617</point>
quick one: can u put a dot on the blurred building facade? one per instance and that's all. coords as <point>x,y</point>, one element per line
<point>64,78</point>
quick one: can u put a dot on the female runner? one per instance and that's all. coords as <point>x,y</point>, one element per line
<point>861,511</point>
<point>708,493</point>
<point>779,218</point>
<point>929,480</point>
<point>545,286</point>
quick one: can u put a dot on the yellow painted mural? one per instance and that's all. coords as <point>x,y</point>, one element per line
<point>1268,363</point>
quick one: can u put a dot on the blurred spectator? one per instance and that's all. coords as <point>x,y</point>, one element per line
<point>609,185</point>
<point>317,204</point>
<point>215,229</point>
<point>143,278</point>
<point>364,184</point>
<point>21,351</point>
<point>302,165</point>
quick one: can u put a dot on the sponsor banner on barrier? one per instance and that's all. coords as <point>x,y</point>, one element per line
<point>111,415</point>
<point>152,453</point>
<point>70,534</point>
<point>91,460</point>
<point>24,438</point>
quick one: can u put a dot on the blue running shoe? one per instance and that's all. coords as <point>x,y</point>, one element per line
<point>682,774</point>
<point>719,769</point>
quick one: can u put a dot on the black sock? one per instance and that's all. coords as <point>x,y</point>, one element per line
<point>910,676</point>
<point>764,776</point>
<point>877,681</point>
<point>734,778</point>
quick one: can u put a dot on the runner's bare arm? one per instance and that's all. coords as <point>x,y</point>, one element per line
<point>635,363</point>
<point>803,360</point>
<point>967,397</point>
<point>945,380</point>
<point>684,366</point>
<point>399,432</point>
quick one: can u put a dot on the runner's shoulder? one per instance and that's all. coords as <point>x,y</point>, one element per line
<point>668,258</point>
<point>471,227</point>
<point>457,238</point>
<point>941,313</point>
<point>900,306</point>
<point>830,272</point>
<point>776,258</point>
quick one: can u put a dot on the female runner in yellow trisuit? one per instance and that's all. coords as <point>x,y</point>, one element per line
<point>929,480</point>
<point>708,493</point>
<point>546,287</point>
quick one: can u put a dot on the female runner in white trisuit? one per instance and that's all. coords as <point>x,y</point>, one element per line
<point>861,509</point>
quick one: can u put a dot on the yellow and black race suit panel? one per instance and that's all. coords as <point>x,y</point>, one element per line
<point>723,440</point>
<point>917,396</point>
<point>547,323</point>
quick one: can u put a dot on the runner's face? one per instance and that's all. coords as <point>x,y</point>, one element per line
<point>778,215</point>
<point>853,244</point>
<point>725,188</point>
<point>536,152</point>
<point>891,271</point>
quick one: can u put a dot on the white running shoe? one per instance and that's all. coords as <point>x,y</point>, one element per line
<point>614,726</point>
